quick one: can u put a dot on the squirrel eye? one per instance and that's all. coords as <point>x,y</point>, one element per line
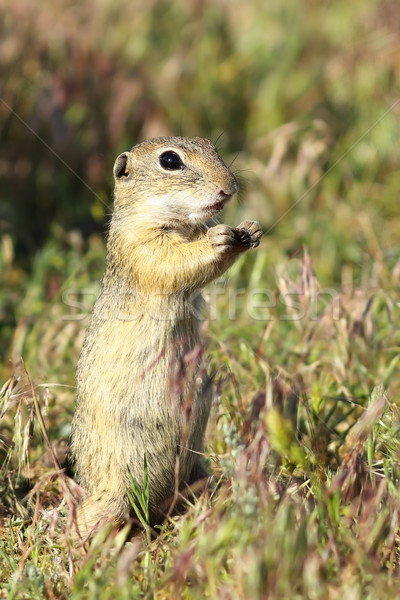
<point>171,161</point>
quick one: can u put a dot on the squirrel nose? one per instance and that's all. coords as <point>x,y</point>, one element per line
<point>230,190</point>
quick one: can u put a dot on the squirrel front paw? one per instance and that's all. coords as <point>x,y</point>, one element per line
<point>250,233</point>
<point>224,239</point>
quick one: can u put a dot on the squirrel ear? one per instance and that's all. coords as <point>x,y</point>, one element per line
<point>121,167</point>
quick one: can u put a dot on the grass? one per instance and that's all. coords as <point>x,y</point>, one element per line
<point>304,336</point>
<point>303,444</point>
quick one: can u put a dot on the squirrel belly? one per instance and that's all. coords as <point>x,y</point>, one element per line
<point>160,409</point>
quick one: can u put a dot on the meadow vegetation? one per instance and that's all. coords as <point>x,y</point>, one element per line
<point>303,335</point>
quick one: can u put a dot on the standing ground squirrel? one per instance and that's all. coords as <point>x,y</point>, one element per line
<point>141,384</point>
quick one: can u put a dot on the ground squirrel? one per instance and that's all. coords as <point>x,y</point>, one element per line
<point>141,383</point>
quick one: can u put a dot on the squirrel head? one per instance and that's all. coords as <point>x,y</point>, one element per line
<point>172,180</point>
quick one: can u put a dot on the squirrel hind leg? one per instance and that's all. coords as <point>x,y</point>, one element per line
<point>91,516</point>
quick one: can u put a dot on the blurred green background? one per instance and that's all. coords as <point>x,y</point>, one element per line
<point>303,94</point>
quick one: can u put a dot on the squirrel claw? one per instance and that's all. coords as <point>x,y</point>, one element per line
<point>250,233</point>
